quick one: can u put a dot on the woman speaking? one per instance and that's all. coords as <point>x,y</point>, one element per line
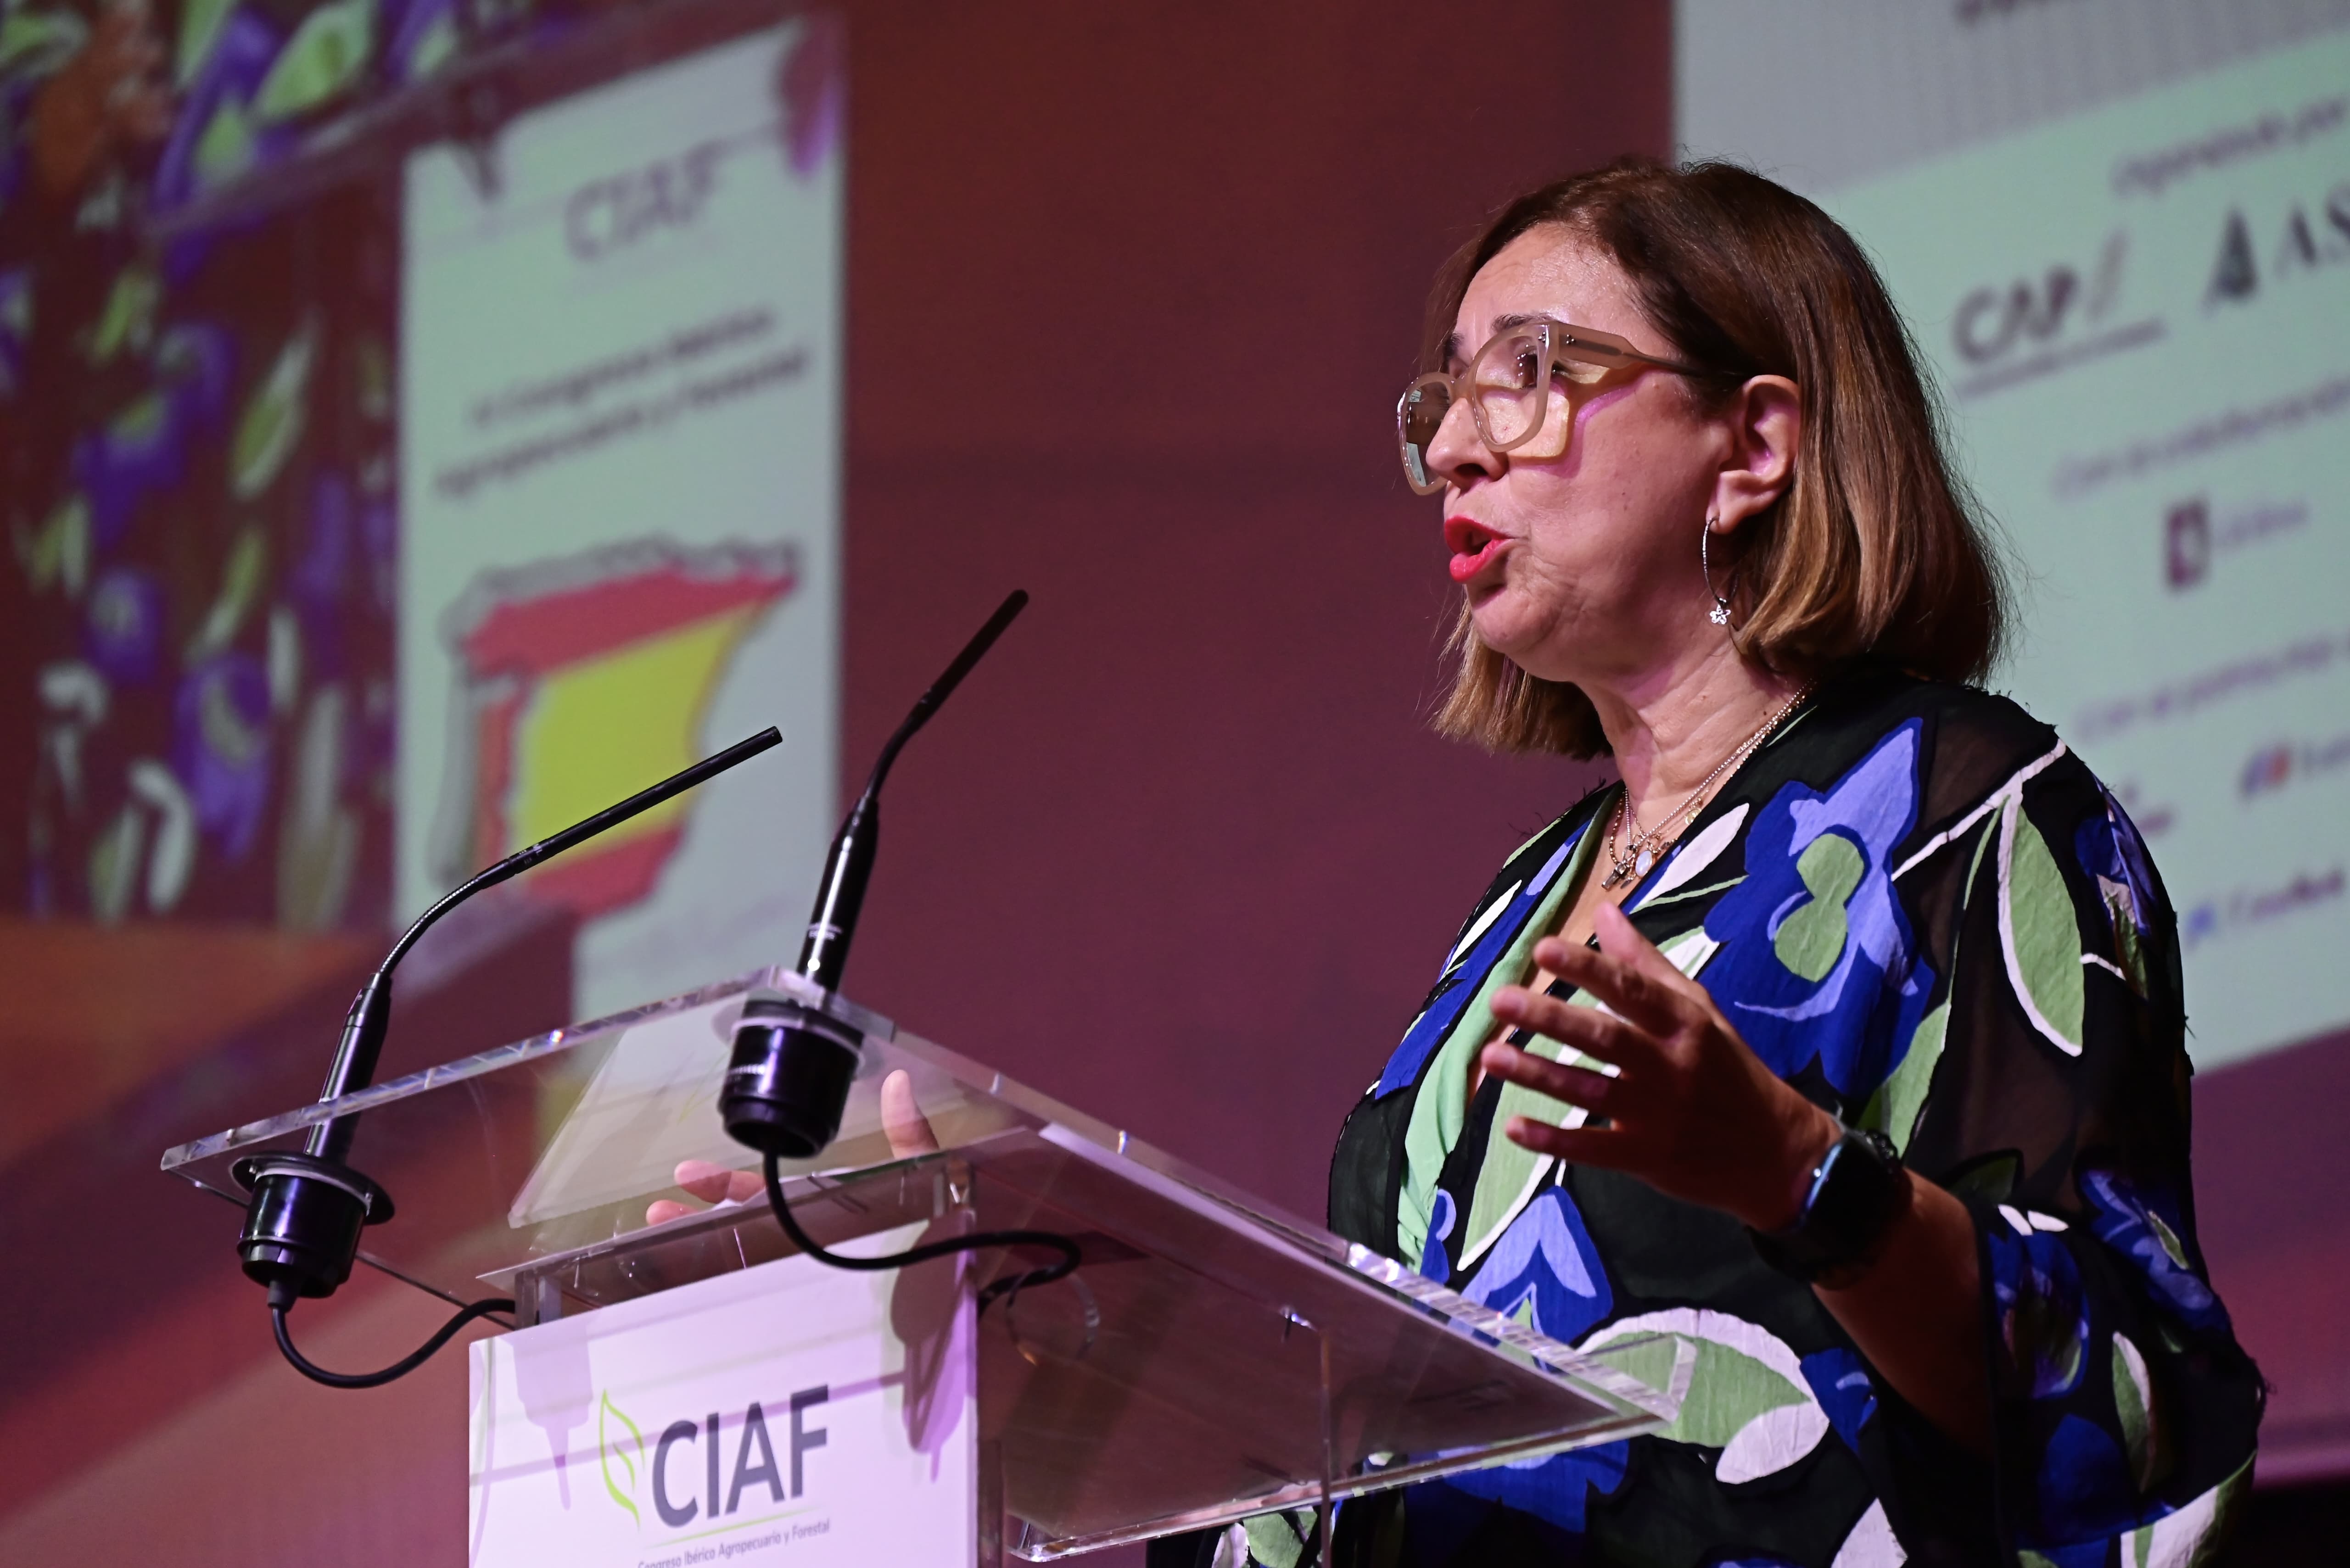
<point>1844,1036</point>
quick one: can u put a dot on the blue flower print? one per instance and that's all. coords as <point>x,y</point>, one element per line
<point>1840,1382</point>
<point>2044,1315</point>
<point>196,155</point>
<point>220,750</point>
<point>144,448</point>
<point>123,626</point>
<point>1817,956</point>
<point>2086,1492</point>
<point>2143,1226</point>
<point>1543,1270</point>
<point>1464,972</point>
<point>1435,1262</point>
<point>2110,850</point>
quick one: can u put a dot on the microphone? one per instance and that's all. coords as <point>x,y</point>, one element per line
<point>303,1222</point>
<point>787,1079</point>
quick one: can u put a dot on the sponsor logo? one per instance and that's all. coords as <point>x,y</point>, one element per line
<point>2306,237</point>
<point>2194,536</point>
<point>2265,769</point>
<point>615,212</point>
<point>2231,912</point>
<point>752,1469</point>
<point>2038,324</point>
<point>620,1446</point>
<point>1999,319</point>
<point>2272,767</point>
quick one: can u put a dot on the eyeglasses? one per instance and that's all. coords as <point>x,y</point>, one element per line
<point>1508,389</point>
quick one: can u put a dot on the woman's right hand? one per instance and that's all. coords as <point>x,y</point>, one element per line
<point>902,1123</point>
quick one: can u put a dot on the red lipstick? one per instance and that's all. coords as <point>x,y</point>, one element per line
<point>1475,547</point>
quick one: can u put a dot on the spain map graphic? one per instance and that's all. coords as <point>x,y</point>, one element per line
<point>580,681</point>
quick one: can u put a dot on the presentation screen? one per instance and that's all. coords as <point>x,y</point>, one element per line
<point>621,328</point>
<point>2129,270</point>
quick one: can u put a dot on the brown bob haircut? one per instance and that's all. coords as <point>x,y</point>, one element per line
<point>1875,551</point>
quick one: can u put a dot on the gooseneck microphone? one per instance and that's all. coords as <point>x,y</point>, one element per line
<point>847,869</point>
<point>303,1222</point>
<point>787,1080</point>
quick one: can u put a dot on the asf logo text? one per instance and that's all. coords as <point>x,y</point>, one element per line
<point>2308,236</point>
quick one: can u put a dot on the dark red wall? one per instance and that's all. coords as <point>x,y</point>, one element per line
<point>1132,296</point>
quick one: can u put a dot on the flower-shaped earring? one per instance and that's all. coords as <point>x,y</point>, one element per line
<point>1719,614</point>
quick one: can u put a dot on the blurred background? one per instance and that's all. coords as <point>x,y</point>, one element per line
<point>422,422</point>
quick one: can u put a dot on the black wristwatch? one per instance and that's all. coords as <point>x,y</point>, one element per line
<point>1857,1190</point>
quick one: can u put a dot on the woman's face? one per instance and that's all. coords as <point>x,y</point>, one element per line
<point>1578,550</point>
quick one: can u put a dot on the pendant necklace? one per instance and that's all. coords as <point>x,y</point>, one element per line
<point>1643,847</point>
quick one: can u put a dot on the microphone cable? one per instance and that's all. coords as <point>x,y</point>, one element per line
<point>979,1241</point>
<point>281,1303</point>
<point>282,1297</point>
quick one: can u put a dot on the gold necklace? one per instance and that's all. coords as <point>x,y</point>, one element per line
<point>1644,848</point>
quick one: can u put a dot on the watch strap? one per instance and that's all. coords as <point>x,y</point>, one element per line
<point>1857,1190</point>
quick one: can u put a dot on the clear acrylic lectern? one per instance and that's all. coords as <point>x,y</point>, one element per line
<point>1210,1360</point>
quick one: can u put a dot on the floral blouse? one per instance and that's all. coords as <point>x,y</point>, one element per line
<point>1920,909</point>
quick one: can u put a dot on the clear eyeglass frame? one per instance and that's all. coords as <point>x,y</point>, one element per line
<point>1507,386</point>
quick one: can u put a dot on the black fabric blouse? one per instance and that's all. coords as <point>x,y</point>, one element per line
<point>1923,911</point>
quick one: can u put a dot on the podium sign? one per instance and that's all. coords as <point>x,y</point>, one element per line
<point>1209,1359</point>
<point>787,1413</point>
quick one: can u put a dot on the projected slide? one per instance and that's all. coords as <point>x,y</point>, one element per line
<point>620,483</point>
<point>2140,316</point>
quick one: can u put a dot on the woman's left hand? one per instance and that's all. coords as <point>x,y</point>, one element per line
<point>1693,1111</point>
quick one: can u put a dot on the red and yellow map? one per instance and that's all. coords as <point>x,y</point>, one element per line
<point>585,680</point>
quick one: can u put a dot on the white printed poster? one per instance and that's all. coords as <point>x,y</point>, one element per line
<point>2140,316</point>
<point>787,1415</point>
<point>619,483</point>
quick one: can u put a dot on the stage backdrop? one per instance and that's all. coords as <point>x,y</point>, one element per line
<point>2120,232</point>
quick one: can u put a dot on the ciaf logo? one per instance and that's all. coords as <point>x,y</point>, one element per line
<point>634,1468</point>
<point>606,214</point>
<point>621,1448</point>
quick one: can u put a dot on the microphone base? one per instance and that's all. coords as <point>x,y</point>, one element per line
<point>303,1222</point>
<point>787,1081</point>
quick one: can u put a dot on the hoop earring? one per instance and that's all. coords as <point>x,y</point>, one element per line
<point>1719,614</point>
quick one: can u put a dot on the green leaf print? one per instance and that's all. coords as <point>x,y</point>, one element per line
<point>273,420</point>
<point>1512,1173</point>
<point>2190,1537</point>
<point>1747,1396</point>
<point>2134,1406</point>
<point>1811,938</point>
<point>1893,1109</point>
<point>2037,930</point>
<point>225,150</point>
<point>200,25</point>
<point>35,43</point>
<point>1278,1540</point>
<point>326,52</point>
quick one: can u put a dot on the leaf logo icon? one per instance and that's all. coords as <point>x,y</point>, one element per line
<point>622,1453</point>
